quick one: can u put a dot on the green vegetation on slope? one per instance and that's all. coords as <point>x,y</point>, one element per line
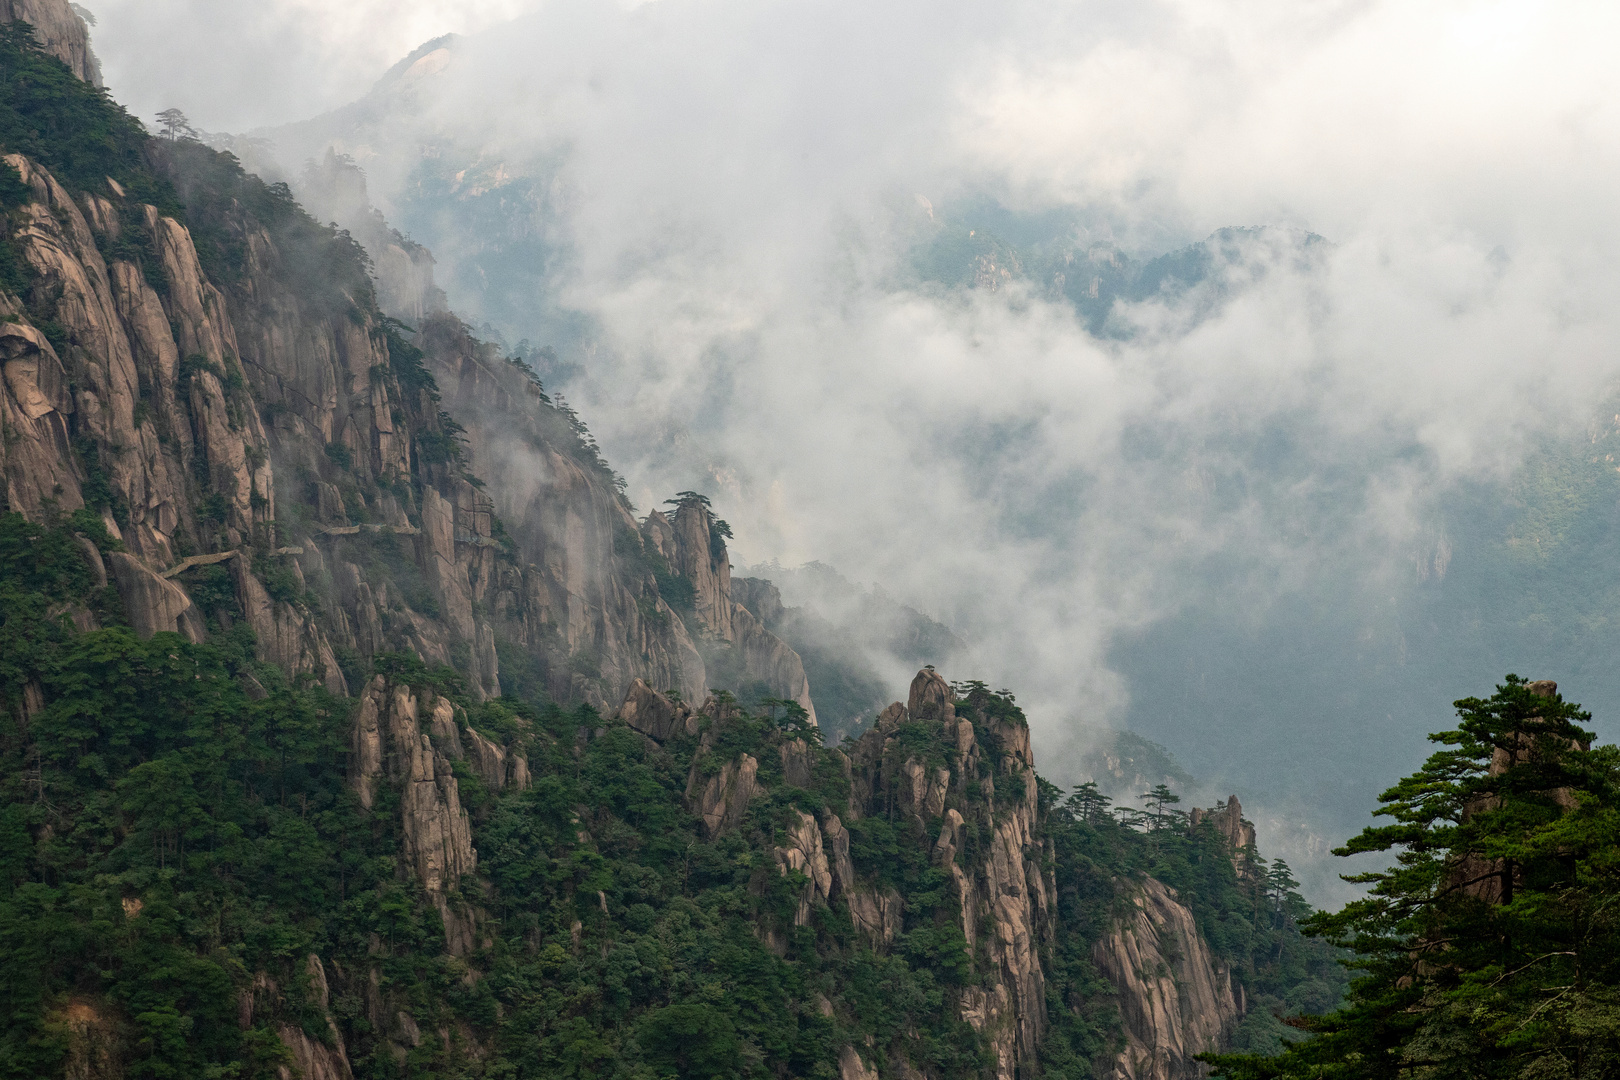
<point>1248,917</point>
<point>177,831</point>
<point>72,128</point>
<point>161,831</point>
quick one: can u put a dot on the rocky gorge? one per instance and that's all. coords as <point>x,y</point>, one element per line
<point>573,801</point>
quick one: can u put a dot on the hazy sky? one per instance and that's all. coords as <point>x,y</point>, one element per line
<point>234,65</point>
<point>736,182</point>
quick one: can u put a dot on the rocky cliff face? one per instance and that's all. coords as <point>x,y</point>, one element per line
<point>692,544</point>
<point>60,30</point>
<point>575,589</point>
<point>245,422</point>
<point>965,787</point>
<point>334,189</point>
<point>389,744</point>
<point>1175,1001</point>
<point>984,788</point>
<point>964,784</point>
<point>1234,828</point>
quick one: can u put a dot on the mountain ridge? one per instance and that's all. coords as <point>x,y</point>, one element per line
<point>354,725</point>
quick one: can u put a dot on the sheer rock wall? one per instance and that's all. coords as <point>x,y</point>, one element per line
<point>1174,999</point>
<point>241,422</point>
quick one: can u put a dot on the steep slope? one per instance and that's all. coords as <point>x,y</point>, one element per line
<point>1176,1001</point>
<point>857,645</point>
<point>310,626</point>
<point>261,413</point>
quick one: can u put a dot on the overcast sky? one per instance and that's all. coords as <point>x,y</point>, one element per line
<point>734,189</point>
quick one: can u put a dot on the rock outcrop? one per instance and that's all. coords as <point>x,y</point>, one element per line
<point>721,798</point>
<point>389,746</point>
<point>1001,886</point>
<point>1174,1000</point>
<point>805,854</point>
<point>60,30</point>
<point>1005,886</point>
<point>151,603</point>
<point>314,1058</point>
<point>1003,895</point>
<point>691,543</point>
<point>1228,820</point>
<point>656,715</point>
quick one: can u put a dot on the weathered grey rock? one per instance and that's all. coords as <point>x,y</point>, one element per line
<point>768,659</point>
<point>1174,999</point>
<point>389,747</point>
<point>693,549</point>
<point>488,759</point>
<point>805,854</point>
<point>851,1067</point>
<point>316,1060</point>
<point>152,604</point>
<point>796,763</point>
<point>1227,817</point>
<point>92,555</point>
<point>285,635</point>
<point>762,599</point>
<point>931,697</point>
<point>721,798</point>
<point>1004,888</point>
<point>575,597</point>
<point>656,715</point>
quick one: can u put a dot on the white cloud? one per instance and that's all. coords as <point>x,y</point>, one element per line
<point>234,65</point>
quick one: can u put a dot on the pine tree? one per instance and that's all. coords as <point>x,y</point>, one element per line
<point>1088,804</point>
<point>1158,801</point>
<point>175,126</point>
<point>1491,948</point>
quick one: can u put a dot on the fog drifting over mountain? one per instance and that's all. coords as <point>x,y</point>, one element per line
<point>736,190</point>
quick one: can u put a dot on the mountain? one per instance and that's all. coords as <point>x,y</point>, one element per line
<point>352,725</point>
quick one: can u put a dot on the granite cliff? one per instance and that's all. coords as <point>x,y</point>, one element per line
<point>407,487</point>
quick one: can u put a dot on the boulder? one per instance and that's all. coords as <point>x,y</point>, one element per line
<point>656,715</point>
